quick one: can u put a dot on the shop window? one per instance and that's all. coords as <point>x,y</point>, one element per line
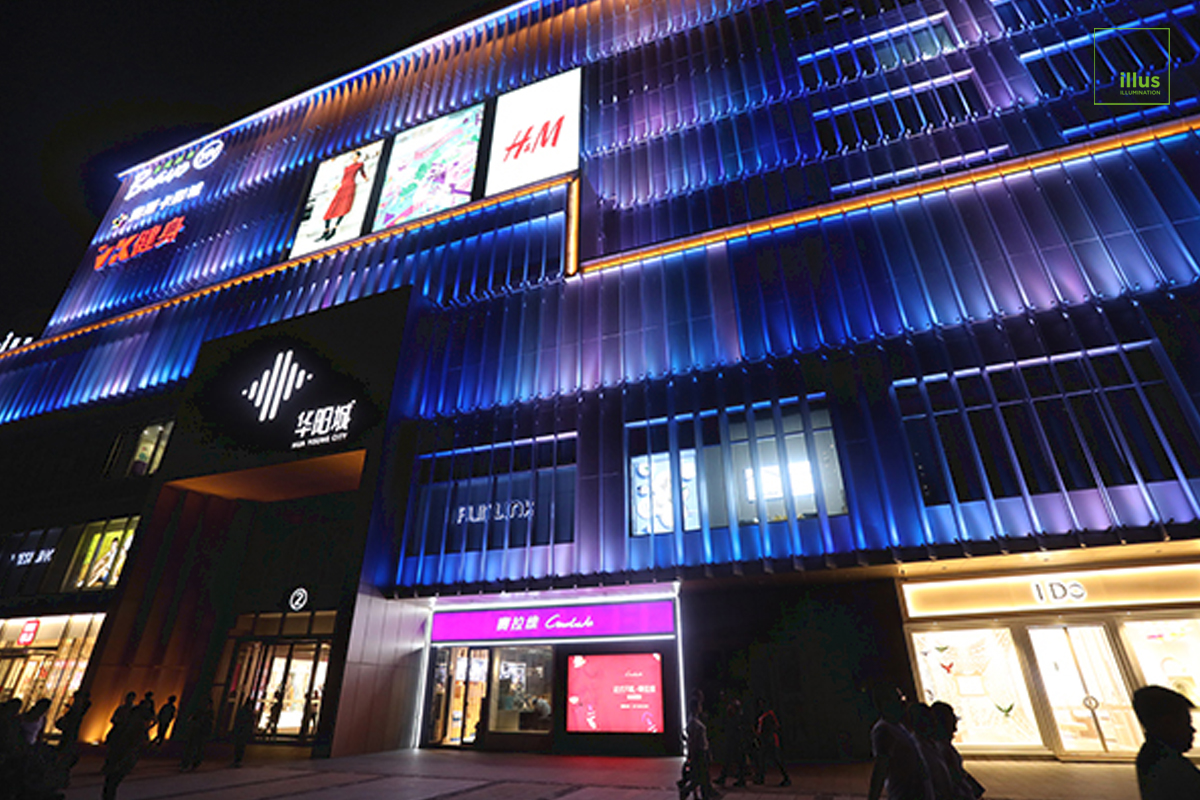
<point>100,555</point>
<point>978,672</point>
<point>1167,652</point>
<point>46,657</point>
<point>521,690</point>
<point>151,445</point>
<point>759,464</point>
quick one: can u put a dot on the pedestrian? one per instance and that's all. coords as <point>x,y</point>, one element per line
<point>696,779</point>
<point>276,713</point>
<point>125,746</point>
<point>199,729</point>
<point>965,785</point>
<point>121,714</point>
<point>166,715</point>
<point>243,730</point>
<point>898,764</point>
<point>736,745</point>
<point>1163,772</point>
<point>922,723</point>
<point>766,730</point>
<point>33,721</point>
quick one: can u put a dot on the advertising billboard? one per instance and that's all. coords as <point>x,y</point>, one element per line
<point>536,133</point>
<point>615,693</point>
<point>431,168</point>
<point>337,203</point>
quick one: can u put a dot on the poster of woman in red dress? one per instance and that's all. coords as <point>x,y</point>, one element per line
<point>337,205</point>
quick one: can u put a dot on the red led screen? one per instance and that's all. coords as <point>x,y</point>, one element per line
<point>615,693</point>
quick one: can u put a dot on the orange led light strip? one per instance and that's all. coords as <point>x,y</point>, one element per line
<point>885,197</point>
<point>362,241</point>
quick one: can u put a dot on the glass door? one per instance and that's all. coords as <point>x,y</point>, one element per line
<point>1088,697</point>
<point>284,682</point>
<point>458,694</point>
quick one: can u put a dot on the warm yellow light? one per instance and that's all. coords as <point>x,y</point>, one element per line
<point>1171,584</point>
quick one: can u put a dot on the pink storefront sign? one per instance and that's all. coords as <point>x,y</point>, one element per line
<point>650,618</point>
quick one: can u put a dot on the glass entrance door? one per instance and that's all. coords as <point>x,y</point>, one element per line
<point>1086,692</point>
<point>284,682</point>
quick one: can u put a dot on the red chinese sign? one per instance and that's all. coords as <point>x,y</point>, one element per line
<point>135,244</point>
<point>29,632</point>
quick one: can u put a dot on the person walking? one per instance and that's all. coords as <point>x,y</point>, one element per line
<point>243,730</point>
<point>766,729</point>
<point>120,715</point>
<point>737,744</point>
<point>166,715</point>
<point>125,746</point>
<point>199,728</point>
<point>898,763</point>
<point>696,779</point>
<point>1163,772</point>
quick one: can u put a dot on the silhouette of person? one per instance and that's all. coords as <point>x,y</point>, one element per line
<point>898,763</point>
<point>766,729</point>
<point>125,746</point>
<point>921,722</point>
<point>71,721</point>
<point>276,712</point>
<point>737,744</point>
<point>1163,772</point>
<point>243,730</point>
<point>121,715</point>
<point>696,777</point>
<point>165,716</point>
<point>964,785</point>
<point>199,728</point>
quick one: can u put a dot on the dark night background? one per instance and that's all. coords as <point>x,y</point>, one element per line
<point>89,89</point>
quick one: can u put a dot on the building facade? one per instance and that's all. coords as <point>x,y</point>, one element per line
<point>449,402</point>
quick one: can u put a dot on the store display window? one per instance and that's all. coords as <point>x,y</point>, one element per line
<point>978,672</point>
<point>757,465</point>
<point>1167,652</point>
<point>100,555</point>
<point>521,690</point>
<point>151,445</point>
<point>46,657</point>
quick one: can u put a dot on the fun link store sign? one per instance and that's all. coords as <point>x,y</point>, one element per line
<point>1131,66</point>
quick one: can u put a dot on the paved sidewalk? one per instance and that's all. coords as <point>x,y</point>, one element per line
<point>442,775</point>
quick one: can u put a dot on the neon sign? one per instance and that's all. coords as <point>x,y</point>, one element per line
<point>135,244</point>
<point>649,618</point>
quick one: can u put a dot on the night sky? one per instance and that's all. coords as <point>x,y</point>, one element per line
<point>89,89</point>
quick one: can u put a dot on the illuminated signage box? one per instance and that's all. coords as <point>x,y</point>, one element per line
<point>651,618</point>
<point>618,693</point>
<point>1058,591</point>
<point>536,133</point>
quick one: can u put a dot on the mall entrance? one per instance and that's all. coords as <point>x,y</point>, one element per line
<point>278,664</point>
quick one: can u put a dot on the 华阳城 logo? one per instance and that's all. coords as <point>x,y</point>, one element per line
<point>1132,66</point>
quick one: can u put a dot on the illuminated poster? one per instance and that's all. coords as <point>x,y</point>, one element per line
<point>615,693</point>
<point>536,134</point>
<point>337,204</point>
<point>652,501</point>
<point>431,168</point>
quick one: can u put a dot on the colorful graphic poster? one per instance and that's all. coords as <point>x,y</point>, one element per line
<point>615,693</point>
<point>536,134</point>
<point>431,168</point>
<point>337,205</point>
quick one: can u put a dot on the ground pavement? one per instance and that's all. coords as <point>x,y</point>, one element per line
<point>443,775</point>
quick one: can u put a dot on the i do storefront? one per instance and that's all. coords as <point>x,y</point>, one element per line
<point>595,671</point>
<point>1046,661</point>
